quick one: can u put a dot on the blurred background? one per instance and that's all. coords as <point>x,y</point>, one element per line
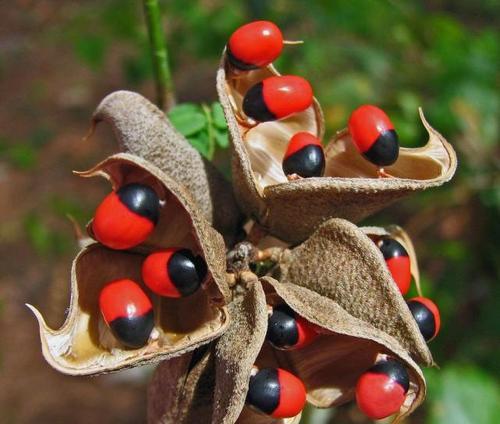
<point>59,58</point>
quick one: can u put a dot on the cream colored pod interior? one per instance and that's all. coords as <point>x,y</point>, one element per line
<point>84,344</point>
<point>350,188</point>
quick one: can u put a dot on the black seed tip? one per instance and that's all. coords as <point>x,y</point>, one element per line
<point>282,331</point>
<point>133,332</point>
<point>238,64</point>
<point>306,162</point>
<point>395,370</point>
<point>186,271</point>
<point>385,150</point>
<point>424,318</point>
<point>264,390</point>
<point>141,200</point>
<point>254,105</point>
<point>391,248</point>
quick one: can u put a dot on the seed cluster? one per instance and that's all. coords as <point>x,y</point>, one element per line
<point>275,329</point>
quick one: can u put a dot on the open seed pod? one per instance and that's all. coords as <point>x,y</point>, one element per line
<point>339,261</point>
<point>350,187</point>
<point>143,130</point>
<point>346,347</point>
<point>84,344</point>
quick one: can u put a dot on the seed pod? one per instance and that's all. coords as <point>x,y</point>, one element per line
<point>142,129</point>
<point>331,365</point>
<point>84,344</point>
<point>264,192</point>
<point>357,278</point>
<point>426,315</point>
<point>254,45</point>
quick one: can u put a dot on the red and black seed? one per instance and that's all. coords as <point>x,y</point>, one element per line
<point>426,315</point>
<point>174,272</point>
<point>128,312</point>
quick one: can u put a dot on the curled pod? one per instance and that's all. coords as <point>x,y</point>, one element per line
<point>350,187</point>
<point>329,366</point>
<point>140,128</point>
<point>85,344</point>
<point>356,277</point>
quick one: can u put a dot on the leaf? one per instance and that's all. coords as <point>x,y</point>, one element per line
<point>90,49</point>
<point>188,120</point>
<point>200,143</point>
<point>218,116</point>
<point>222,139</point>
<point>462,394</point>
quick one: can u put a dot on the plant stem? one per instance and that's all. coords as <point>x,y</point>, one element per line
<point>165,97</point>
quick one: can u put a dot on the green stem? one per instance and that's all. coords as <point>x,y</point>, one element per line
<point>210,131</point>
<point>165,97</point>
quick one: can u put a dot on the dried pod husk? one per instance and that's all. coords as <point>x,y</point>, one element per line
<point>339,261</point>
<point>143,130</point>
<point>400,235</point>
<point>84,344</point>
<point>181,390</point>
<point>350,187</point>
<point>346,347</point>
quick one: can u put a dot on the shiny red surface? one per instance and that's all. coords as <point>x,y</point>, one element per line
<point>155,273</point>
<point>365,124</point>
<point>306,332</point>
<point>286,95</point>
<point>292,395</point>
<point>378,396</point>
<point>257,43</point>
<point>399,268</point>
<point>117,227</point>
<point>123,299</point>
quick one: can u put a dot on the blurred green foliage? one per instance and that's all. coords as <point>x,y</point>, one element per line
<point>443,55</point>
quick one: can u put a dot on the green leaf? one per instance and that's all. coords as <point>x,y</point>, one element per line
<point>222,139</point>
<point>188,119</point>
<point>463,394</point>
<point>22,156</point>
<point>218,116</point>
<point>200,143</point>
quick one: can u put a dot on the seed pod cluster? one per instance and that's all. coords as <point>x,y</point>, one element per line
<point>326,323</point>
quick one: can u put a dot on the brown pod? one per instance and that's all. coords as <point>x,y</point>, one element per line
<point>142,129</point>
<point>350,187</point>
<point>339,261</point>
<point>181,390</point>
<point>347,346</point>
<point>84,345</point>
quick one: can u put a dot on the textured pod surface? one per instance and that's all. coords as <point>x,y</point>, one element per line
<point>339,261</point>
<point>83,345</point>
<point>143,130</point>
<point>350,187</point>
<point>331,365</point>
<point>181,390</point>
